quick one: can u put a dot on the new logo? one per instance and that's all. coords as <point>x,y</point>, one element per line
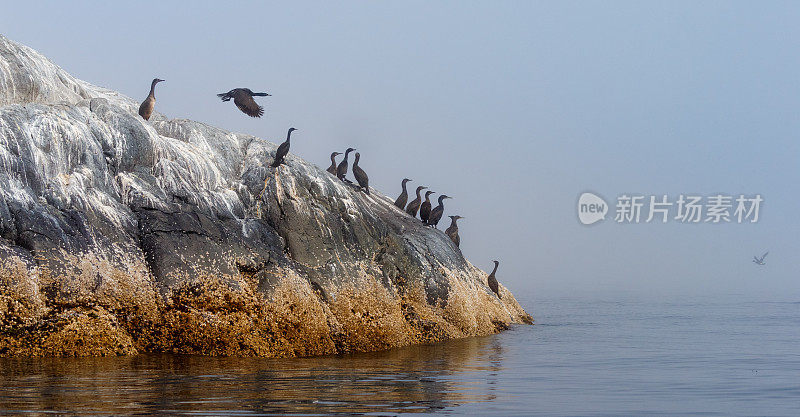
<point>591,208</point>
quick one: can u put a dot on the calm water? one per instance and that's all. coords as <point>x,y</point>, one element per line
<point>589,358</point>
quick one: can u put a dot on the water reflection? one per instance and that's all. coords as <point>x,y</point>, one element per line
<point>413,379</point>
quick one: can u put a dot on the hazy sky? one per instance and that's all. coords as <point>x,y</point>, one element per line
<point>513,108</point>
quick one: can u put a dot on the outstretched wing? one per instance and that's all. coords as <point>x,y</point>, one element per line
<point>764,255</point>
<point>248,106</point>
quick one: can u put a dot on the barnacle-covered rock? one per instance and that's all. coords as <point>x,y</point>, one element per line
<point>119,235</point>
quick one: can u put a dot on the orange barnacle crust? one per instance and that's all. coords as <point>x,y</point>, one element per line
<point>107,311</point>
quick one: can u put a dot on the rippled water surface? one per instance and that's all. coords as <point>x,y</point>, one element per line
<point>584,357</point>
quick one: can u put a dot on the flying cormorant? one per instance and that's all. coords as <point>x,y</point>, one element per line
<point>760,261</point>
<point>493,281</point>
<point>437,212</point>
<point>332,168</point>
<point>425,208</point>
<point>403,198</point>
<point>243,99</point>
<point>283,149</point>
<point>146,109</point>
<point>341,170</point>
<point>361,176</point>
<point>413,206</point>
<point>452,231</point>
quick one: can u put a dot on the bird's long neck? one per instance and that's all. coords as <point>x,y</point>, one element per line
<point>441,201</point>
<point>453,222</point>
<point>495,268</point>
<point>404,187</point>
<point>288,135</point>
<point>346,154</point>
<point>427,197</point>
<point>418,191</point>
<point>333,159</point>
<point>153,89</point>
<point>355,163</point>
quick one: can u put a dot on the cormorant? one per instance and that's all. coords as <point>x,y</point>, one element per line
<point>243,99</point>
<point>760,261</point>
<point>332,168</point>
<point>425,208</point>
<point>341,170</point>
<point>403,198</point>
<point>146,109</point>
<point>452,231</point>
<point>361,176</point>
<point>493,281</point>
<point>437,212</point>
<point>283,149</point>
<point>413,206</point>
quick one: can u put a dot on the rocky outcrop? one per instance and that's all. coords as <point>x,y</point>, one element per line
<point>119,235</point>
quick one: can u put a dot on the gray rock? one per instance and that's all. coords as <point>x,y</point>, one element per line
<point>173,235</point>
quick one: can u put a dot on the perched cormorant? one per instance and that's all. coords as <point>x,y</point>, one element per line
<point>425,208</point>
<point>493,281</point>
<point>437,212</point>
<point>243,99</point>
<point>413,206</point>
<point>403,198</point>
<point>332,168</point>
<point>146,109</point>
<point>361,176</point>
<point>283,149</point>
<point>341,170</point>
<point>452,231</point>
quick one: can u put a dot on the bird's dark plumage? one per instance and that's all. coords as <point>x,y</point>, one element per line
<point>243,99</point>
<point>425,208</point>
<point>452,231</point>
<point>492,281</point>
<point>413,206</point>
<point>437,212</point>
<point>341,170</point>
<point>403,198</point>
<point>361,176</point>
<point>283,149</point>
<point>147,106</point>
<point>332,169</point>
